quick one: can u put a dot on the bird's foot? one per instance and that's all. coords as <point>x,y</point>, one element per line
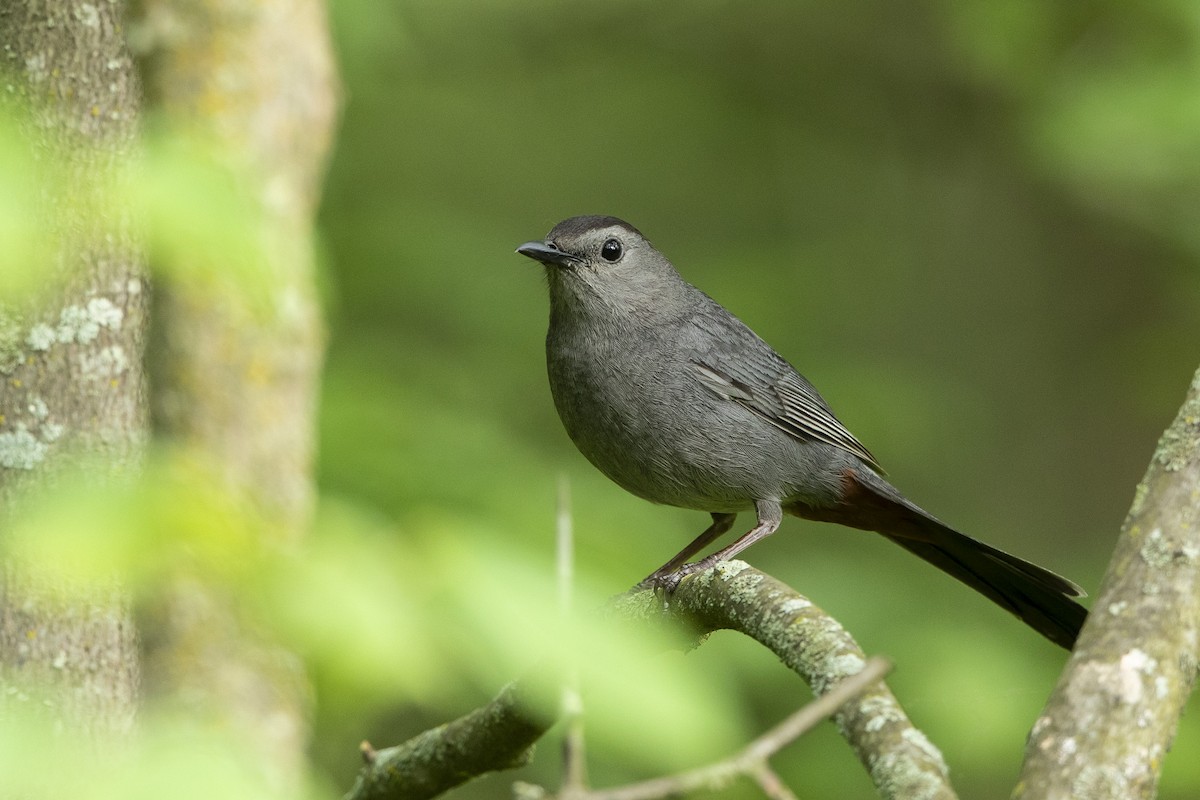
<point>667,580</point>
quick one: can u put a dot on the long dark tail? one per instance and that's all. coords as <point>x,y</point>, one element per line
<point>1038,597</point>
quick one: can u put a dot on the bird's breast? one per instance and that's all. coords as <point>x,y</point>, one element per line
<point>633,407</point>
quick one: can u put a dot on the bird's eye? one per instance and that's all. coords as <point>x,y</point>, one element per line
<point>611,250</point>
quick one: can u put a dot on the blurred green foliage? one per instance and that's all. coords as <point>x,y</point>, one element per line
<point>380,617</point>
<point>971,225</point>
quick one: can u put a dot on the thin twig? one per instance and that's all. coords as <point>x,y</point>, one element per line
<point>564,546</point>
<point>573,749</point>
<point>751,761</point>
<point>902,763</point>
<point>813,714</point>
<point>770,783</point>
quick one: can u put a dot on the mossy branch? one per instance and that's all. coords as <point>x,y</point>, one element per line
<point>734,596</point>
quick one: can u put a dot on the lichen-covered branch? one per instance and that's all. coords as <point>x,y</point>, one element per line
<point>750,761</point>
<point>901,761</point>
<point>731,595</point>
<point>499,735</point>
<point>1111,719</point>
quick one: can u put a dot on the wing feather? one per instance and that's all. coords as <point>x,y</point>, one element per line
<point>731,361</point>
<point>789,403</point>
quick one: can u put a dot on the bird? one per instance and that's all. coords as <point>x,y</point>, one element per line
<point>679,402</point>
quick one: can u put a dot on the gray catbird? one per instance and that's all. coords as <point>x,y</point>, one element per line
<point>676,400</point>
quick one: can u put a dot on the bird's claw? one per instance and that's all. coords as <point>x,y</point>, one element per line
<point>668,582</point>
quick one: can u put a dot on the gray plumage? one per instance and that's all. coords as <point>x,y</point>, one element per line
<point>679,402</point>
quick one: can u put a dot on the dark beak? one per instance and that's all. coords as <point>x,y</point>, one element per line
<point>548,254</point>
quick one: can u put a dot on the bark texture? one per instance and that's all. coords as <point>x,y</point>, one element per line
<point>71,356</point>
<point>1110,722</point>
<point>235,376</point>
<point>235,372</point>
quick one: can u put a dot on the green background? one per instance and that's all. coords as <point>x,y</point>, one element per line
<point>971,225</point>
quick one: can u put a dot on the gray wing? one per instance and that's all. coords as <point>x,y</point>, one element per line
<point>750,373</point>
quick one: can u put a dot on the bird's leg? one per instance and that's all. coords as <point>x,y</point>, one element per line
<point>770,514</point>
<point>721,523</point>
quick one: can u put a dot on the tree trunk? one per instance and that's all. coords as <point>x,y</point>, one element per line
<point>71,358</point>
<point>234,360</point>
